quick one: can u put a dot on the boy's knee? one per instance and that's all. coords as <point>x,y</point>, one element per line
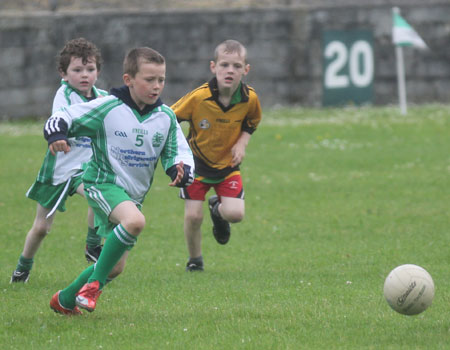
<point>194,219</point>
<point>236,217</point>
<point>233,215</point>
<point>41,230</point>
<point>134,225</point>
<point>138,224</point>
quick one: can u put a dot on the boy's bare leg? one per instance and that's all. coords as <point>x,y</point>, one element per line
<point>232,209</point>
<point>193,218</point>
<point>40,229</point>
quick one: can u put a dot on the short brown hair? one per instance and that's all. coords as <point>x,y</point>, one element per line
<point>138,55</point>
<point>81,48</point>
<point>231,46</point>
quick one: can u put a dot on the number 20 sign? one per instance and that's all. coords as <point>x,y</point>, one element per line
<point>348,67</point>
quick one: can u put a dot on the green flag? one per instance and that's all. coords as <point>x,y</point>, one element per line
<point>403,34</point>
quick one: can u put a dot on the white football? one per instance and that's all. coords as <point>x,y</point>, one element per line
<point>409,289</point>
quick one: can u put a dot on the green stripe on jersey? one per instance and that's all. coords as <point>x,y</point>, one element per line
<point>170,152</point>
<point>67,91</point>
<point>92,123</point>
<point>93,120</point>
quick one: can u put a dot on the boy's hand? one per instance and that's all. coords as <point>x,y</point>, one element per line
<point>59,146</point>
<point>184,176</point>
<point>238,154</point>
<point>238,150</point>
<point>180,174</point>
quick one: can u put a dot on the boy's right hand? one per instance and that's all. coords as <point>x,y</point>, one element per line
<point>59,146</point>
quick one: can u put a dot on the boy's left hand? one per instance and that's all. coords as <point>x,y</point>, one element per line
<point>238,154</point>
<point>238,150</point>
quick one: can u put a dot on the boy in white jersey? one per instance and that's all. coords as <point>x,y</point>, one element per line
<point>79,64</point>
<point>130,131</point>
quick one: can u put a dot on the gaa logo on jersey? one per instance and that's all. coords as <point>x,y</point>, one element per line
<point>204,124</point>
<point>157,139</point>
<point>120,133</point>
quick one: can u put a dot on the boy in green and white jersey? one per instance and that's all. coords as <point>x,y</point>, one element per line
<point>130,131</point>
<point>79,64</point>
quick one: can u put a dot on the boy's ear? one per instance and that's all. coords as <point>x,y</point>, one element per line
<point>62,74</point>
<point>246,69</point>
<point>127,79</point>
<point>212,67</point>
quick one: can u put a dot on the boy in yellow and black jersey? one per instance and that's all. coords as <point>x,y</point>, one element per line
<point>222,116</point>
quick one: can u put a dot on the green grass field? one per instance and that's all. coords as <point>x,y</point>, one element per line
<point>335,199</point>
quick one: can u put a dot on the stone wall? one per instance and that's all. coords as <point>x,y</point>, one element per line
<point>164,5</point>
<point>284,46</point>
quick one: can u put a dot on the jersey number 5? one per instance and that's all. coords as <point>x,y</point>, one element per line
<point>139,140</point>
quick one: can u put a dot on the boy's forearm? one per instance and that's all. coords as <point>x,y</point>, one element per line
<point>244,138</point>
<point>55,129</point>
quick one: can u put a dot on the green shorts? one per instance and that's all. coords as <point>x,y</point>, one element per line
<point>48,195</point>
<point>103,198</point>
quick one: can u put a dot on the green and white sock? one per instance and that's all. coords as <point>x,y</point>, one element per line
<point>24,264</point>
<point>93,239</point>
<point>115,245</point>
<point>67,295</point>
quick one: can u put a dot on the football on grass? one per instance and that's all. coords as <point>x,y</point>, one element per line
<point>409,289</point>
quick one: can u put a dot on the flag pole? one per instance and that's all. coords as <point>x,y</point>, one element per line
<point>401,80</point>
<point>400,74</point>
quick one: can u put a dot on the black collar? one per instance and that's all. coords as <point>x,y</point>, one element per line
<point>123,93</point>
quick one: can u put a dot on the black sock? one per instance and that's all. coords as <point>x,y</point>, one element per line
<point>196,261</point>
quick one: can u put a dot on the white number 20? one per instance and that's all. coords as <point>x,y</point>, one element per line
<point>358,76</point>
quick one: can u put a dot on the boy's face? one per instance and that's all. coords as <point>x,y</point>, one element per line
<point>146,87</point>
<point>81,76</point>
<point>229,70</point>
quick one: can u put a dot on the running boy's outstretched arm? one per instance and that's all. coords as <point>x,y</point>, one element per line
<point>82,119</point>
<point>55,132</point>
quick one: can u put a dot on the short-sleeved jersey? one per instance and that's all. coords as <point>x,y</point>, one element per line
<point>213,128</point>
<point>61,167</point>
<point>126,145</point>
